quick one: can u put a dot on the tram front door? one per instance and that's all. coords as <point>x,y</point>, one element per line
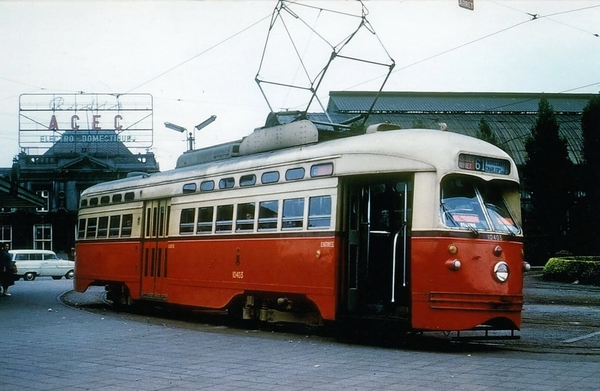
<point>154,249</point>
<point>377,263</point>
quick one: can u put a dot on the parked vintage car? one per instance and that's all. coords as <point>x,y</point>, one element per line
<point>41,263</point>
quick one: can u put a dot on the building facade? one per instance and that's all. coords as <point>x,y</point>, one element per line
<point>58,177</point>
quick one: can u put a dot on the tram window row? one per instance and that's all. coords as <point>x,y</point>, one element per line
<point>116,226</point>
<point>226,183</point>
<point>264,216</point>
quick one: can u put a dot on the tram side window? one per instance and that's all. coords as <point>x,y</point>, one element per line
<point>186,221</point>
<point>319,212</point>
<point>293,212</point>
<point>189,188</point>
<point>205,220</point>
<point>226,183</point>
<point>248,180</point>
<point>224,218</point>
<point>90,232</point>
<point>294,174</point>
<point>245,217</point>
<point>268,212</point>
<point>113,227</point>
<point>207,186</point>
<point>104,200</point>
<point>81,229</point>
<point>102,227</point>
<point>127,225</point>
<point>269,177</point>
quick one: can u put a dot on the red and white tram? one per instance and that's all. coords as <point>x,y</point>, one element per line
<point>420,227</point>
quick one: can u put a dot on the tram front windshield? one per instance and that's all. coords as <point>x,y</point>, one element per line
<point>471,203</point>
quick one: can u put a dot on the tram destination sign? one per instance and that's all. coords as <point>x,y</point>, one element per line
<point>483,164</point>
<point>47,119</point>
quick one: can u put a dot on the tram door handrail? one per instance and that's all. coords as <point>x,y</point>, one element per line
<point>394,253</point>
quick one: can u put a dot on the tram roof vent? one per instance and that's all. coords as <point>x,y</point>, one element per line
<point>137,173</point>
<point>382,127</point>
<point>278,137</point>
<point>209,154</point>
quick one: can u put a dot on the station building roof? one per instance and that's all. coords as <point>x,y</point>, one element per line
<point>511,116</point>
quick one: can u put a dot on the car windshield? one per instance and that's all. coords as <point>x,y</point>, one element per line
<point>476,205</point>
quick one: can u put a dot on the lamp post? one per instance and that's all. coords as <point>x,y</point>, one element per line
<point>191,138</point>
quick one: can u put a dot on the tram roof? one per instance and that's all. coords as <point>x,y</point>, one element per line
<point>385,151</point>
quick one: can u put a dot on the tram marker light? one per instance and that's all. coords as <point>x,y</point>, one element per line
<point>453,264</point>
<point>452,249</point>
<point>497,251</point>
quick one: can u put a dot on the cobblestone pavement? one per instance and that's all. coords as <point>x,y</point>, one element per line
<point>49,346</point>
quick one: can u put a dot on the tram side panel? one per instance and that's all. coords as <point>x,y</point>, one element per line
<point>211,273</point>
<point>103,262</point>
<point>116,257</point>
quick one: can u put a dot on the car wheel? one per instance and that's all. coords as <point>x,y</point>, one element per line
<point>29,276</point>
<point>70,275</point>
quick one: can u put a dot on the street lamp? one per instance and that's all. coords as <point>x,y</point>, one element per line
<point>191,138</point>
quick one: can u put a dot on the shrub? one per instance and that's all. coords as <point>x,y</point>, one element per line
<point>585,270</point>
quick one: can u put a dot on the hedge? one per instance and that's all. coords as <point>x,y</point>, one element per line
<point>584,270</point>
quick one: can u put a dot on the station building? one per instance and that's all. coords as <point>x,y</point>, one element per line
<point>57,177</point>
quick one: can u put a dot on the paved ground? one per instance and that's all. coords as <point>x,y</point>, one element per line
<point>48,346</point>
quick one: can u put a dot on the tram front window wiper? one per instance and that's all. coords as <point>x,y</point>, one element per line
<point>449,217</point>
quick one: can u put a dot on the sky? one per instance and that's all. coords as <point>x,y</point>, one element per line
<point>197,59</point>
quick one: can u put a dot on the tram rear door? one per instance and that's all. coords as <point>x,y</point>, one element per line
<point>154,249</point>
<point>378,229</point>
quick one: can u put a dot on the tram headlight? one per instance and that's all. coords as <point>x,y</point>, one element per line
<point>501,271</point>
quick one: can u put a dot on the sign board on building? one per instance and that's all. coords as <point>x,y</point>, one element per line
<point>46,119</point>
<point>468,4</point>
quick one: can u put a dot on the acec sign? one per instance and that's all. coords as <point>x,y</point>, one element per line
<point>45,119</point>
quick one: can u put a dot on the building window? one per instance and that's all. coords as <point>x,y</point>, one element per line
<point>46,195</point>
<point>42,237</point>
<point>6,234</point>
